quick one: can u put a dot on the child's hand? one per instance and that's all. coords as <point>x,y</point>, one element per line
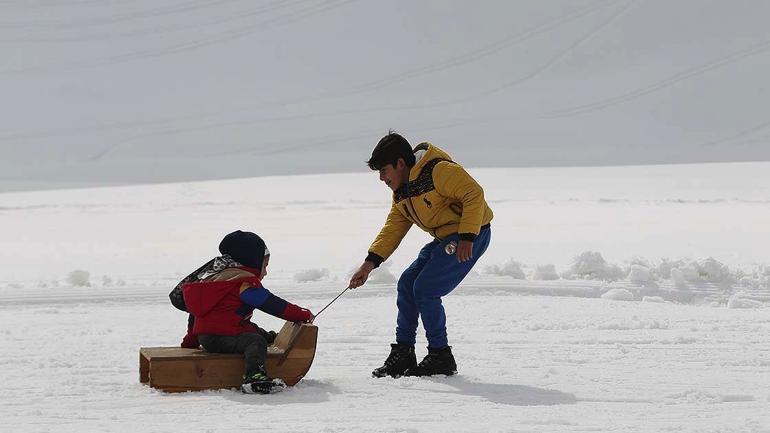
<point>309,318</point>
<point>294,313</point>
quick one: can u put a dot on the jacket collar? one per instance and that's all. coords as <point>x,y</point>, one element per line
<point>425,152</point>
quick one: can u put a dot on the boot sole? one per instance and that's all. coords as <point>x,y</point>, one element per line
<point>451,373</point>
<point>396,376</point>
<point>263,388</point>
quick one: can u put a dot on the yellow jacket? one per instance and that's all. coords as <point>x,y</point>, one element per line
<point>441,198</point>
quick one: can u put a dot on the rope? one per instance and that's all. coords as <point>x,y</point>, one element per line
<point>332,301</point>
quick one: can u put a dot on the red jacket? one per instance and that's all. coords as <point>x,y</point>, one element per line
<point>217,305</point>
<point>224,302</point>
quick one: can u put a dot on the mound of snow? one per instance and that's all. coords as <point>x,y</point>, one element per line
<point>656,299</point>
<point>640,274</point>
<point>511,269</point>
<point>666,266</point>
<point>591,265</point>
<point>618,295</point>
<point>677,277</point>
<point>708,270</point>
<point>758,278</point>
<point>714,271</point>
<point>545,272</point>
<point>79,278</point>
<point>382,275</point>
<point>738,301</point>
<point>309,275</point>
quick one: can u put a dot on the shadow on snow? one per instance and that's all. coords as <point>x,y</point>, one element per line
<point>508,394</point>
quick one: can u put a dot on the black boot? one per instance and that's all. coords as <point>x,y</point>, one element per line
<point>400,359</point>
<point>437,361</point>
<point>260,383</point>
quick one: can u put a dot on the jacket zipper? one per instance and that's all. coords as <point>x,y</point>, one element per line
<point>409,197</point>
<point>416,218</point>
<point>413,212</point>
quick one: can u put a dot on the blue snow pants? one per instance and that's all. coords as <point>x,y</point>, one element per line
<point>434,274</point>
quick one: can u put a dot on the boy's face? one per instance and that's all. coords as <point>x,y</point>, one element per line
<point>263,274</point>
<point>395,175</point>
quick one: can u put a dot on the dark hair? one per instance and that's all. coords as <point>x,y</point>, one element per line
<point>390,148</point>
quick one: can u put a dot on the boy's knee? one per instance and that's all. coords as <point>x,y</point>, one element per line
<point>406,283</point>
<point>424,293</point>
<point>404,304</point>
<point>423,301</point>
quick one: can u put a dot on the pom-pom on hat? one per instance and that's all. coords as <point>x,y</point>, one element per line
<point>246,248</point>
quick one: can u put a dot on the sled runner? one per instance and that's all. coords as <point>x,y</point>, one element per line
<point>174,369</point>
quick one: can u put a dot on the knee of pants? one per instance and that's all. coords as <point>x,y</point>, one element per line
<point>426,300</point>
<point>406,306</point>
<point>254,340</point>
<point>406,283</point>
<point>423,293</point>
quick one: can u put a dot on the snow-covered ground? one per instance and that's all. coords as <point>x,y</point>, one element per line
<point>611,299</point>
<point>527,363</point>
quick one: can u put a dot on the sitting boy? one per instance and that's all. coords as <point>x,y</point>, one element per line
<point>222,296</point>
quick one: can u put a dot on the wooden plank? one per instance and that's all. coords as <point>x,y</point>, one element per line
<point>144,368</point>
<point>174,369</point>
<point>287,334</point>
<point>197,374</point>
<point>176,353</point>
<point>293,367</point>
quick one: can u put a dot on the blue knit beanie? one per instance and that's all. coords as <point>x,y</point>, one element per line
<point>245,248</point>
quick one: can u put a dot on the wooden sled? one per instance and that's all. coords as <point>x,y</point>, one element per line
<point>174,369</point>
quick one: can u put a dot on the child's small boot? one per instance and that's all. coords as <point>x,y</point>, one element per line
<point>260,383</point>
<point>437,361</point>
<point>400,359</point>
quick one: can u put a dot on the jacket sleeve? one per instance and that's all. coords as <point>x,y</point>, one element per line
<point>262,299</point>
<point>451,180</point>
<point>390,236</point>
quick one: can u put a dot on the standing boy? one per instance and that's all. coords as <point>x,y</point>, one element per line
<point>440,197</point>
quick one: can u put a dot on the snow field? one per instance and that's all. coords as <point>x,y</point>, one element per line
<point>572,321</point>
<point>526,363</point>
<point>684,225</point>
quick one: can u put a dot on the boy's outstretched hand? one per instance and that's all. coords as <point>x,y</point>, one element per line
<point>361,275</point>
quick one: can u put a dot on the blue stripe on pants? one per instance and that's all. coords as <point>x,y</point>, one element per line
<point>432,275</point>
